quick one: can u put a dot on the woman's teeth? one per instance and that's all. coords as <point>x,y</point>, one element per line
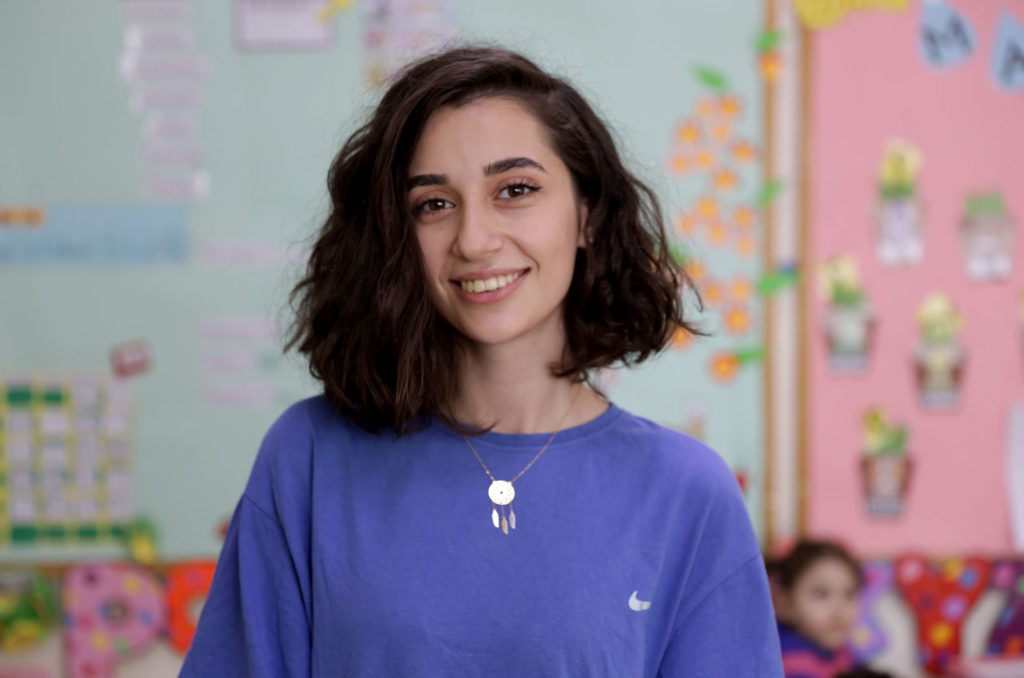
<point>489,284</point>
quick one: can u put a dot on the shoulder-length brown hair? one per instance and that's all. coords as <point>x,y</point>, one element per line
<point>385,356</point>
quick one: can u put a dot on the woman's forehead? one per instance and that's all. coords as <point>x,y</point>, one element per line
<point>482,131</point>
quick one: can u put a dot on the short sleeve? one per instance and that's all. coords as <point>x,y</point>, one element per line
<point>731,632</point>
<point>254,622</point>
<point>257,617</point>
<point>725,623</point>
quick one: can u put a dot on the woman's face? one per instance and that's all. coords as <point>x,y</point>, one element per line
<point>498,224</point>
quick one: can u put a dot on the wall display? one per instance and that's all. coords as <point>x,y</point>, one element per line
<point>910,166</point>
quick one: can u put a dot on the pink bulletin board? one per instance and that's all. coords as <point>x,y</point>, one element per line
<point>871,84</point>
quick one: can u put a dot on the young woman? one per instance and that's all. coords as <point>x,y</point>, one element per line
<point>459,502</point>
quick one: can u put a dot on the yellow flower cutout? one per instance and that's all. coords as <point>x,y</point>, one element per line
<point>838,273</point>
<point>900,163</point>
<point>938,318</point>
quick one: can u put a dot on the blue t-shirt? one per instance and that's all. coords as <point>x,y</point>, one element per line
<point>359,554</point>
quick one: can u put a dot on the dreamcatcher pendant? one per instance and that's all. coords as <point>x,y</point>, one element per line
<point>501,494</point>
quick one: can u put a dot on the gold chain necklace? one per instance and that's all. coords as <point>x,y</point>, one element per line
<point>501,492</point>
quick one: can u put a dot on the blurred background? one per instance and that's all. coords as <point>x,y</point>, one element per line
<point>843,180</point>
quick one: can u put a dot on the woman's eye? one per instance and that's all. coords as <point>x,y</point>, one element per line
<point>432,205</point>
<point>517,190</point>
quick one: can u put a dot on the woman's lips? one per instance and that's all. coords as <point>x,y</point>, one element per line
<point>488,297</point>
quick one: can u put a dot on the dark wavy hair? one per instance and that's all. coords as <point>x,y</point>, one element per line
<point>385,355</point>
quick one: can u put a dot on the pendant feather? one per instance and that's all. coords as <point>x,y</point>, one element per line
<point>494,516</point>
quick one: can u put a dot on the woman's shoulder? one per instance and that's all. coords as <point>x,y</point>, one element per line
<point>670,451</point>
<point>284,461</point>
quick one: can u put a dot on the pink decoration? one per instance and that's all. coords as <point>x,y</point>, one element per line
<point>117,610</point>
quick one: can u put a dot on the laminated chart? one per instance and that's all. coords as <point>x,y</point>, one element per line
<point>66,449</point>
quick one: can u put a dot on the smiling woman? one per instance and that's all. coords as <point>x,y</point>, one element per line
<point>486,251</point>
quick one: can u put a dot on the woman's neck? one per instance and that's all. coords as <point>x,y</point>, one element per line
<point>518,394</point>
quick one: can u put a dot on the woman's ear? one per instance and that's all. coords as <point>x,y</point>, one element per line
<point>581,230</point>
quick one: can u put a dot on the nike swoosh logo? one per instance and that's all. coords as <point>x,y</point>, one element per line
<point>638,605</point>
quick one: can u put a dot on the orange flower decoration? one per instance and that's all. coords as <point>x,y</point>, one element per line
<point>744,217</point>
<point>678,163</point>
<point>730,105</point>
<point>707,207</point>
<point>741,289</point>
<point>724,367</point>
<point>696,270</point>
<point>726,180</point>
<point>737,320</point>
<point>688,132</point>
<point>721,132</point>
<point>705,160</point>
<point>770,64</point>
<point>681,338</point>
<point>744,151</point>
<point>684,223</point>
<point>712,293</point>
<point>746,246</point>
<point>718,234</point>
<point>706,108</point>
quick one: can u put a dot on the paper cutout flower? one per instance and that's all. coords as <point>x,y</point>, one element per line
<point>882,437</point>
<point>840,281</point>
<point>712,293</point>
<point>730,105</point>
<point>726,180</point>
<point>679,163</point>
<point>746,245</point>
<point>681,338</point>
<point>744,151</point>
<point>707,207</point>
<point>684,224</point>
<point>938,318</point>
<point>688,132</point>
<point>743,216</point>
<point>696,270</point>
<point>717,233</point>
<point>737,320</point>
<point>897,176</point>
<point>724,366</point>
<point>707,108</point>
<point>721,132</point>
<point>741,289</point>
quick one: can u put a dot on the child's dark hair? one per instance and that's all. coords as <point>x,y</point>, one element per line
<point>864,672</point>
<point>786,571</point>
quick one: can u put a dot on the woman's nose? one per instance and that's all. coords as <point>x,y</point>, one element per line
<point>479,232</point>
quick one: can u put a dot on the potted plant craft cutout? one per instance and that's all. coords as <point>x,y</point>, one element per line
<point>987,232</point>
<point>849,319</point>
<point>898,216</point>
<point>940,357</point>
<point>886,466</point>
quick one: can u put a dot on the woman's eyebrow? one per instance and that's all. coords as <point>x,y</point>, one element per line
<point>506,164</point>
<point>428,180</point>
<point>496,167</point>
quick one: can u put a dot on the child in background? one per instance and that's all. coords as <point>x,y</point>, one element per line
<point>815,591</point>
<point>864,672</point>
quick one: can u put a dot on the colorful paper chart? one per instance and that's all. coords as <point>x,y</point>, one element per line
<point>66,448</point>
